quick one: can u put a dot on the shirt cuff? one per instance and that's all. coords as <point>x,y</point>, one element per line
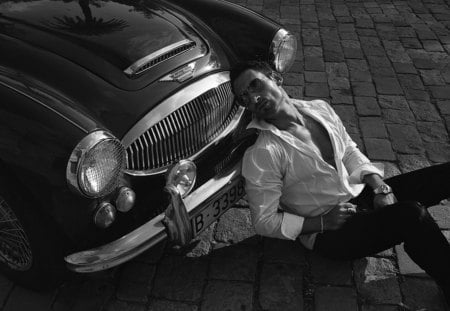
<point>291,225</point>
<point>364,169</point>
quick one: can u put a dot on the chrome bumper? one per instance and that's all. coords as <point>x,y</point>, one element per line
<point>146,236</point>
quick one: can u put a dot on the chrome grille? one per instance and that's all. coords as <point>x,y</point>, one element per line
<point>184,132</point>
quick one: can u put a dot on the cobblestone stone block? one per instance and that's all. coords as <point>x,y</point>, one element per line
<point>24,299</point>
<point>444,106</point>
<point>165,305</point>
<point>137,272</point>
<point>398,116</point>
<point>410,81</point>
<point>354,64</point>
<point>378,61</point>
<point>367,106</point>
<point>310,37</point>
<point>294,91</point>
<point>441,215</point>
<point>360,76</point>
<point>180,278</point>
<point>405,32</point>
<point>379,149</point>
<point>422,295</point>
<point>393,102</point>
<point>383,72</point>
<point>314,64</point>
<point>319,90</point>
<point>433,132</point>
<point>92,296</point>
<point>336,83</point>
<point>314,76</point>
<point>283,251</point>
<point>341,97</point>
<point>135,281</point>
<point>372,127</point>
<point>332,272</point>
<point>376,280</point>
<point>412,94</point>
<point>281,287</point>
<point>337,69</point>
<point>314,51</point>
<point>396,52</point>
<point>438,152</point>
<point>424,63</point>
<point>224,296</point>
<point>333,54</point>
<point>293,79</point>
<point>133,291</point>
<point>432,46</point>
<point>388,86</point>
<point>235,226</point>
<point>424,111</point>
<point>363,89</point>
<point>234,262</point>
<point>379,308</point>
<point>410,162</point>
<point>406,265</point>
<point>440,92</point>
<point>404,68</point>
<point>348,116</point>
<point>117,305</point>
<point>153,255</point>
<point>432,77</point>
<point>405,138</point>
<point>335,299</point>
<point>411,43</point>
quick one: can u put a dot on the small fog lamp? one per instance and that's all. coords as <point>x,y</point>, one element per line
<point>182,175</point>
<point>105,215</point>
<point>125,199</point>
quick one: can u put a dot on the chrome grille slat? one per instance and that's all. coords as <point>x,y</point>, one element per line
<point>183,132</point>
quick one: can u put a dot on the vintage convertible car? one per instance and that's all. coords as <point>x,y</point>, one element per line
<point>118,127</point>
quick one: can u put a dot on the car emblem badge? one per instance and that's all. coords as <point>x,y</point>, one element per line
<point>180,75</point>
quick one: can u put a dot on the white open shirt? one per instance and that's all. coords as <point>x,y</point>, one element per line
<point>287,180</point>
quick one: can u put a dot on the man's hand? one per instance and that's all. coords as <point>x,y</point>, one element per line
<point>380,200</point>
<point>338,216</point>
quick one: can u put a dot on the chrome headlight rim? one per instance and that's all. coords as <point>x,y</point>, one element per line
<point>281,38</point>
<point>77,157</point>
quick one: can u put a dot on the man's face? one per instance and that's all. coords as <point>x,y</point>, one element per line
<point>258,93</point>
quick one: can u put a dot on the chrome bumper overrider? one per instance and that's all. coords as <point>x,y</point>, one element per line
<point>146,236</point>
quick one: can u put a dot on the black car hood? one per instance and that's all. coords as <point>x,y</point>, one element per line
<point>106,37</point>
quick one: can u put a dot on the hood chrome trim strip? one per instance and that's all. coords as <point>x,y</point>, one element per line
<point>142,64</point>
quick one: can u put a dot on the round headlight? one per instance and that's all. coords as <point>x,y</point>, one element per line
<point>96,164</point>
<point>182,175</point>
<point>283,50</point>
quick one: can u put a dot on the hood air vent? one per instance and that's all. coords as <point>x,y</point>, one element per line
<point>159,56</point>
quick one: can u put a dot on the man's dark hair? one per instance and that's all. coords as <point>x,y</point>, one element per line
<point>260,66</point>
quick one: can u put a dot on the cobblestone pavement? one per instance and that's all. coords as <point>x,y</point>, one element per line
<point>385,67</point>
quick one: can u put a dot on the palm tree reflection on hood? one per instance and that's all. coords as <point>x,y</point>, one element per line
<point>89,25</point>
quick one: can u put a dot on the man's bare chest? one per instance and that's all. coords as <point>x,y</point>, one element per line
<point>316,136</point>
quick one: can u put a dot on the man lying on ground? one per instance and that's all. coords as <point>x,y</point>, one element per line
<point>306,179</point>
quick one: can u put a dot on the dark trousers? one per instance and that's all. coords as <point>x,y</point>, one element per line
<point>371,230</point>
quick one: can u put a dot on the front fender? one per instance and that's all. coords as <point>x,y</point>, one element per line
<point>248,33</point>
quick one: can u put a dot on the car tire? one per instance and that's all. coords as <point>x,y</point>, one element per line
<point>30,250</point>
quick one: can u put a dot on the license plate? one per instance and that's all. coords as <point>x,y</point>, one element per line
<point>228,196</point>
